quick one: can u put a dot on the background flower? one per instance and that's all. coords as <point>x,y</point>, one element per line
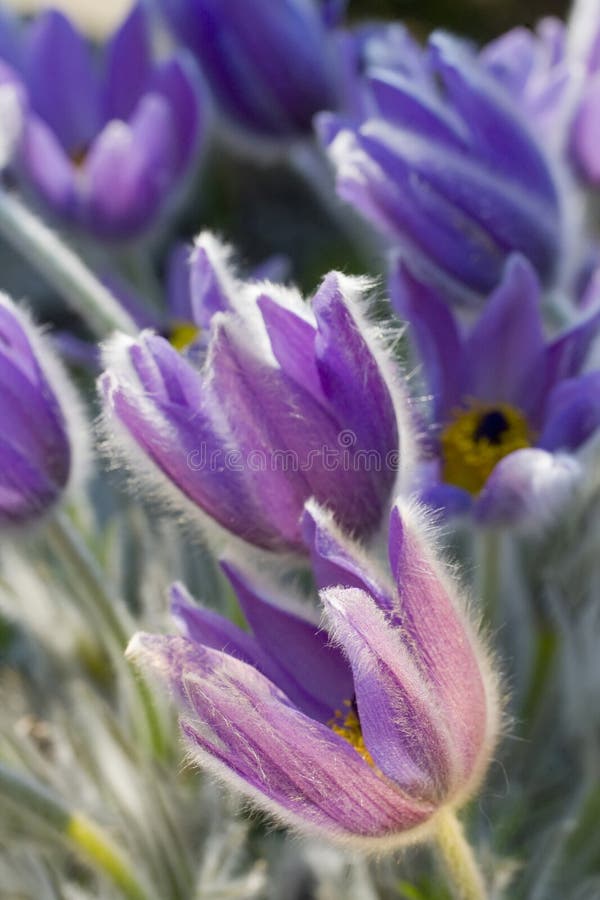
<point>509,407</point>
<point>444,164</point>
<point>42,447</point>
<point>271,66</point>
<point>103,148</point>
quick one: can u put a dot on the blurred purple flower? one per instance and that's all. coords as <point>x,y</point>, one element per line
<point>43,431</point>
<point>533,68</point>
<point>509,407</point>
<point>443,162</point>
<point>291,401</point>
<point>271,66</point>
<point>103,148</point>
<point>359,730</point>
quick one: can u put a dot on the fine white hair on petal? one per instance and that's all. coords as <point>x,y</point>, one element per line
<point>419,520</point>
<point>77,427</point>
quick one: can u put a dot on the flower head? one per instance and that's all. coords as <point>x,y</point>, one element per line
<point>442,160</point>
<point>509,407</point>
<point>103,149</point>
<point>361,729</point>
<point>291,401</point>
<point>271,66</point>
<point>41,449</point>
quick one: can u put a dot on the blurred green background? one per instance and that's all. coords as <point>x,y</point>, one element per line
<point>479,18</point>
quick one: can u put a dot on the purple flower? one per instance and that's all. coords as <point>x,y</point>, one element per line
<point>43,430</point>
<point>292,401</point>
<point>271,66</point>
<point>444,163</point>
<point>359,730</point>
<point>104,148</point>
<point>535,71</point>
<point>509,407</point>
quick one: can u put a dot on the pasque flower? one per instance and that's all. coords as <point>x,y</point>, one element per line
<point>510,407</point>
<point>271,66</point>
<point>291,401</point>
<point>43,432</point>
<point>361,729</point>
<point>443,162</point>
<point>104,147</point>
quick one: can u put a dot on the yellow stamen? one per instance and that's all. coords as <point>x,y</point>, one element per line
<point>183,335</point>
<point>477,439</point>
<point>347,725</point>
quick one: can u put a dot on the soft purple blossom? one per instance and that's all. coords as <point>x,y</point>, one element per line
<point>534,69</point>
<point>360,729</point>
<point>271,66</point>
<point>509,406</point>
<point>43,431</point>
<point>283,401</point>
<point>443,162</point>
<point>104,146</point>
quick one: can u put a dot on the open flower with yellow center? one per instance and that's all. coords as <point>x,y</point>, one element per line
<point>510,407</point>
<point>365,728</point>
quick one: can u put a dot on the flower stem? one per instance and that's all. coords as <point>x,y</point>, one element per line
<point>489,554</point>
<point>108,612</point>
<point>83,835</point>
<point>464,878</point>
<point>61,267</point>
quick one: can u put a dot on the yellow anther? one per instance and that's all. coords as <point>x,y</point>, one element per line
<point>183,334</point>
<point>347,725</point>
<point>477,439</point>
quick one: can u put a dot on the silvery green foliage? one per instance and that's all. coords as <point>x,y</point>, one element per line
<point>60,724</point>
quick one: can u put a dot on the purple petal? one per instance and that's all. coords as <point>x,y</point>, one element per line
<point>573,413</point>
<point>211,284</point>
<point>168,416</point>
<point>585,142</point>
<point>63,86</point>
<point>128,170</point>
<point>47,169</point>
<point>336,562</point>
<point>527,487</point>
<point>179,296</point>
<point>351,378</point>
<point>505,349</point>
<point>436,335</point>
<point>177,83</point>
<point>25,489</point>
<point>244,729</point>
<point>404,102</point>
<point>566,355</point>
<point>424,223</point>
<point>128,65</point>
<point>497,132</point>
<point>440,640</point>
<point>203,626</point>
<point>399,717</point>
<point>292,340</point>
<point>316,676</point>
<point>447,499</point>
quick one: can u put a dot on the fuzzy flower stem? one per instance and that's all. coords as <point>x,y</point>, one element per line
<point>457,858</point>
<point>84,836</point>
<point>489,552</point>
<point>107,610</point>
<point>61,267</point>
